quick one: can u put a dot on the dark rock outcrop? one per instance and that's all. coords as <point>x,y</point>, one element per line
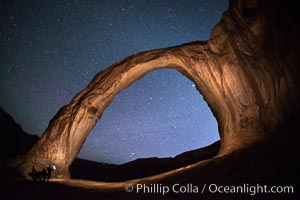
<point>90,170</point>
<point>140,168</point>
<point>248,72</point>
<point>13,140</point>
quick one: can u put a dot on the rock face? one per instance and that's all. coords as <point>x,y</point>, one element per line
<point>248,72</point>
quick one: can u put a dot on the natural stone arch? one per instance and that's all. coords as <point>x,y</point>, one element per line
<point>249,88</point>
<point>67,132</point>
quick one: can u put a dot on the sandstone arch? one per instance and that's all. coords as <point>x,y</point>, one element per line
<point>247,74</point>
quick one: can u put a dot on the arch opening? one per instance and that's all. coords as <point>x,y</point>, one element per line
<point>161,115</point>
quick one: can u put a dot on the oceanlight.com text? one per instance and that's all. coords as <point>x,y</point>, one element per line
<point>189,188</point>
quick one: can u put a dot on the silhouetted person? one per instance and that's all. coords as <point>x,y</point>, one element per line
<point>33,174</point>
<point>49,172</point>
<point>44,174</point>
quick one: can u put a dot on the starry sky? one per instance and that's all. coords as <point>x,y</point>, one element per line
<point>51,49</point>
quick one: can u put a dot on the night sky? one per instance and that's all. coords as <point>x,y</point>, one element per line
<point>50,50</point>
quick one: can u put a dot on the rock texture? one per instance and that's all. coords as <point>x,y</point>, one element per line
<point>248,72</point>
